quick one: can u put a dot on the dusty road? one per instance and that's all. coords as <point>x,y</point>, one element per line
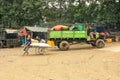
<point>81,62</point>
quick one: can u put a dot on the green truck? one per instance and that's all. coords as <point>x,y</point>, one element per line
<point>63,39</point>
<point>8,38</point>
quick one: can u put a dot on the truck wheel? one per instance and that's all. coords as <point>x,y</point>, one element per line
<point>1,44</point>
<point>100,43</point>
<point>64,45</point>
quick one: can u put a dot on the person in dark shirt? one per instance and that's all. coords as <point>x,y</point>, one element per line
<point>27,45</point>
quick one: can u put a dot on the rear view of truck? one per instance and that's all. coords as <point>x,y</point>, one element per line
<point>8,38</point>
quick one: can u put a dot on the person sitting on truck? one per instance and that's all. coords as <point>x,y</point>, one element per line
<point>90,32</point>
<point>27,45</point>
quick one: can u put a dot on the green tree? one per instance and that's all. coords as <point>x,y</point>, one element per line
<point>17,13</point>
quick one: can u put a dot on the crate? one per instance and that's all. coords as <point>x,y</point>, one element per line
<point>51,43</point>
<point>108,40</point>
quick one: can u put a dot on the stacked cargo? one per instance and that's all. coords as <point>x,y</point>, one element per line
<point>112,39</point>
<point>62,31</point>
<point>60,28</point>
<point>64,27</point>
<point>77,27</point>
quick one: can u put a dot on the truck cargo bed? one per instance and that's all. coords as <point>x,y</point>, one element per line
<point>67,34</point>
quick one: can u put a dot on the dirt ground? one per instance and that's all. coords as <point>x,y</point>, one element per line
<point>81,62</point>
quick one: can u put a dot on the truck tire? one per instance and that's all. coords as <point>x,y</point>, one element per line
<point>1,44</point>
<point>100,43</point>
<point>64,45</point>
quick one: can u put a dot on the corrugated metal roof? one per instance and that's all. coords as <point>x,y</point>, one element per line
<point>11,30</point>
<point>37,29</point>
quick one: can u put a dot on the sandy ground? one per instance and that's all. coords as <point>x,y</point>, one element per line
<point>81,62</point>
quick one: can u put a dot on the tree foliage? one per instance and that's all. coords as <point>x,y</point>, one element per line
<point>17,13</point>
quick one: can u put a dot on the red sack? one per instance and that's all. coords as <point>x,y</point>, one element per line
<point>58,28</point>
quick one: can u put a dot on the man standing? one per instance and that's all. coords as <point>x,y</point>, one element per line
<point>27,45</point>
